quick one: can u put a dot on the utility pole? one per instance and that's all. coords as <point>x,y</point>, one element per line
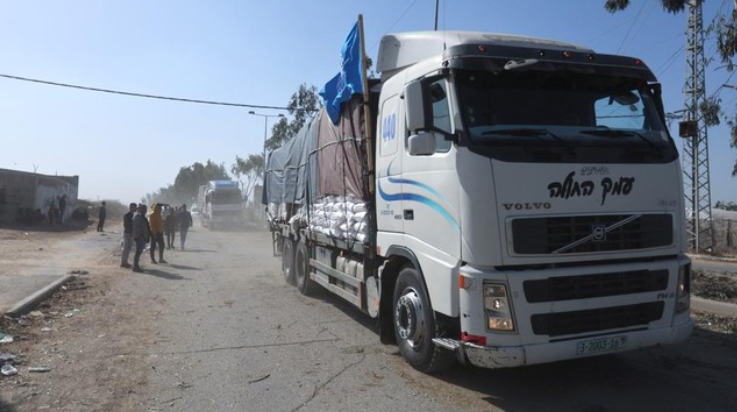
<point>697,187</point>
<point>266,126</point>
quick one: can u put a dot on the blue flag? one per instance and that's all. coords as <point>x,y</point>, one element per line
<point>350,79</point>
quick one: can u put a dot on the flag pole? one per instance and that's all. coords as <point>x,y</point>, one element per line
<point>367,110</point>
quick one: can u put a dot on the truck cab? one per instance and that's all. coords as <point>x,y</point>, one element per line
<point>534,189</point>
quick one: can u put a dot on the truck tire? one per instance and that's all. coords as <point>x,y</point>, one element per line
<point>287,260</point>
<point>414,324</point>
<point>302,269</point>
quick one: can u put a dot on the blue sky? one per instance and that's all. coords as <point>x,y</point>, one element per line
<point>255,52</point>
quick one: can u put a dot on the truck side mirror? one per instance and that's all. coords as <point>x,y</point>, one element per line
<point>414,107</point>
<point>421,144</point>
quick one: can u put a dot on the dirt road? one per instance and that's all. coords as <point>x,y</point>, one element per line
<point>218,329</point>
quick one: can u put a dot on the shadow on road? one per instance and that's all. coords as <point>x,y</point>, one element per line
<point>348,309</point>
<point>182,267</point>
<point>162,274</point>
<point>198,251</point>
<point>4,407</point>
<point>694,375</point>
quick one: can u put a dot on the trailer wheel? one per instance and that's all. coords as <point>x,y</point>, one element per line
<point>287,260</point>
<point>414,324</point>
<point>302,269</point>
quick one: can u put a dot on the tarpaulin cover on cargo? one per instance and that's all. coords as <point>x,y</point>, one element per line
<point>322,159</point>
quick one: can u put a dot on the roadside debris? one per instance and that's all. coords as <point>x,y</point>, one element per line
<point>6,357</point>
<point>39,369</point>
<point>74,285</point>
<point>35,314</point>
<point>78,272</point>
<point>5,338</point>
<point>714,286</point>
<point>8,370</point>
<point>263,378</point>
<point>72,312</point>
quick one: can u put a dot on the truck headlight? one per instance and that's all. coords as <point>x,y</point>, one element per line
<point>683,289</point>
<point>498,310</point>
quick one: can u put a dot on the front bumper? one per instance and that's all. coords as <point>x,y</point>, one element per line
<point>513,356</point>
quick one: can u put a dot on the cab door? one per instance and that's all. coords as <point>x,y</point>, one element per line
<point>430,205</point>
<point>389,168</point>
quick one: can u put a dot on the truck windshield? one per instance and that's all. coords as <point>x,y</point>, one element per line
<point>226,197</point>
<point>568,110</point>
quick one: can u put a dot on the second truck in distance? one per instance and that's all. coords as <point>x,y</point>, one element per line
<point>220,204</point>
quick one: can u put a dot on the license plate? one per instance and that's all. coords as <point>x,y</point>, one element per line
<point>601,345</point>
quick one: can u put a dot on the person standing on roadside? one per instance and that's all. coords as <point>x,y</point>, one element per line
<point>140,235</point>
<point>62,207</point>
<point>170,227</point>
<point>52,210</point>
<point>157,233</point>
<point>127,235</point>
<point>101,215</point>
<point>185,222</point>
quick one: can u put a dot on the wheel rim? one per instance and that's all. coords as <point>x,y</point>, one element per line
<point>409,318</point>
<point>301,267</point>
<point>288,257</point>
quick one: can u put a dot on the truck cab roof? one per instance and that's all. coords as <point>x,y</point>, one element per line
<point>397,51</point>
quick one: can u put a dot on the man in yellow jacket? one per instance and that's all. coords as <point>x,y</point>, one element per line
<point>156,221</point>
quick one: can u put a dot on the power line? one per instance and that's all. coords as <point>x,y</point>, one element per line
<point>610,30</point>
<point>401,16</point>
<point>631,26</point>
<point>637,29</point>
<point>142,95</point>
<point>668,62</point>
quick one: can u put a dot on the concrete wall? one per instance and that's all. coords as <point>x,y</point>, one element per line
<point>31,190</point>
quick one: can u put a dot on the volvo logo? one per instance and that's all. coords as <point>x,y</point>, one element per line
<point>527,206</point>
<point>598,233</point>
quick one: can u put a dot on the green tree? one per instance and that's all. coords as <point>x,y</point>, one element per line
<point>250,168</point>
<point>731,206</point>
<point>725,27</point>
<point>190,178</point>
<point>303,106</point>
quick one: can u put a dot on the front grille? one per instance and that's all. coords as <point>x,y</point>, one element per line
<point>594,286</point>
<point>594,320</point>
<point>549,234</point>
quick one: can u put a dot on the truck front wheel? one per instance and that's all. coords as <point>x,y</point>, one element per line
<point>287,260</point>
<point>414,324</point>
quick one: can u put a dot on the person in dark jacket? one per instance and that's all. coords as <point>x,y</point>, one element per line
<point>185,222</point>
<point>140,235</point>
<point>127,235</point>
<point>62,207</point>
<point>101,215</point>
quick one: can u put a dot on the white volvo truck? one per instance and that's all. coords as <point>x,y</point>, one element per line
<point>523,203</point>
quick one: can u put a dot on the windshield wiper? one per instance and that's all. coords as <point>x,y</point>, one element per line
<point>532,132</point>
<point>622,133</point>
